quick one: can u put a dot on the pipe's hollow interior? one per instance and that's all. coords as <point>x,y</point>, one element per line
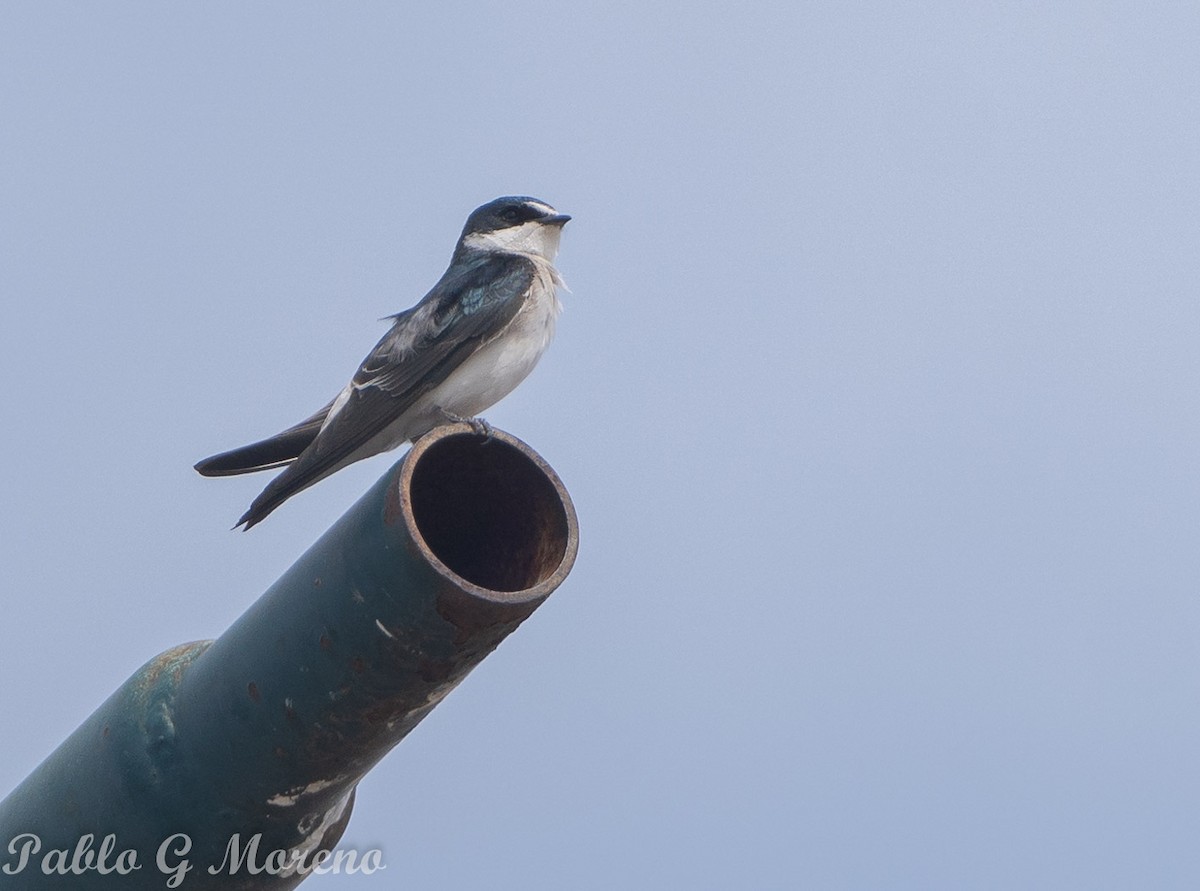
<point>489,513</point>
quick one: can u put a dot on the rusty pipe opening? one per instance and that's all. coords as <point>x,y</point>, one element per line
<point>490,511</point>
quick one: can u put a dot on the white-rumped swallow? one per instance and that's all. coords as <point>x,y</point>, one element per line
<point>463,348</point>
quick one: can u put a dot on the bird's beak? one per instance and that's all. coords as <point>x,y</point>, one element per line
<point>557,219</point>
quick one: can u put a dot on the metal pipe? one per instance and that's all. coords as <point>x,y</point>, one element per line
<point>265,732</point>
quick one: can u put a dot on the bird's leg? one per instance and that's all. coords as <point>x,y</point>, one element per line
<point>479,426</point>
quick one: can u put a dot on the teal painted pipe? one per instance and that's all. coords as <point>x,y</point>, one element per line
<point>259,737</point>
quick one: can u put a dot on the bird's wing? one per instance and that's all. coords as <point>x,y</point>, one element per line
<point>471,304</point>
<point>266,454</point>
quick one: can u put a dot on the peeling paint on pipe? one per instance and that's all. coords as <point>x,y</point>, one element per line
<point>269,728</point>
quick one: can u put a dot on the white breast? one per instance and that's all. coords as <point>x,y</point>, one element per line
<point>494,370</point>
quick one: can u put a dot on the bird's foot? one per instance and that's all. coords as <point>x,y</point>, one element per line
<point>479,426</point>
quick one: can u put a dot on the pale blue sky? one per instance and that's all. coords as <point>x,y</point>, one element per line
<point>875,393</point>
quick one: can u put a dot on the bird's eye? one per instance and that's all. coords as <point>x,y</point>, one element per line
<point>512,214</point>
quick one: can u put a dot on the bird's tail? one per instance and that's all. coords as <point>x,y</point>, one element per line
<point>296,477</point>
<point>277,491</point>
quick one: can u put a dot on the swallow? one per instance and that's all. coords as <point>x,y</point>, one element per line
<point>465,346</point>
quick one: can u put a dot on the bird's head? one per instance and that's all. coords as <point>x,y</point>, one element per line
<point>514,224</point>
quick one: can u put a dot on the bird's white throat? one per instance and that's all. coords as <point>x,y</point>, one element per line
<point>533,238</point>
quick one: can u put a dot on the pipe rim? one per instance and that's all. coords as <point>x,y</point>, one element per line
<point>438,436</point>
